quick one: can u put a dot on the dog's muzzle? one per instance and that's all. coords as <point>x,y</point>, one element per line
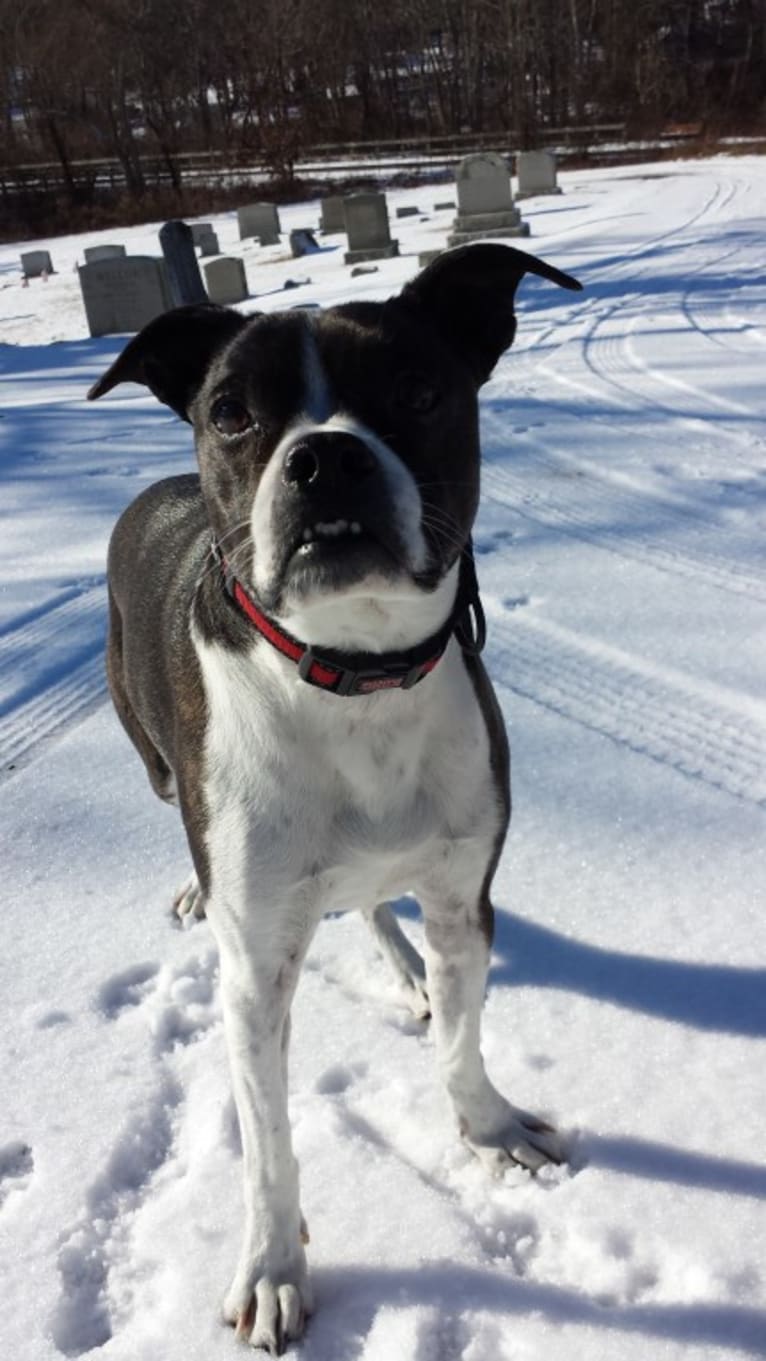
<point>336,513</point>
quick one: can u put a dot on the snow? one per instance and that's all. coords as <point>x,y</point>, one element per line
<point>620,552</point>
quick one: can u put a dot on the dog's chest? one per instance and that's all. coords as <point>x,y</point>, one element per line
<point>327,801</point>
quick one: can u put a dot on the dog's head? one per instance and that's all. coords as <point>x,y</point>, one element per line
<point>339,449</point>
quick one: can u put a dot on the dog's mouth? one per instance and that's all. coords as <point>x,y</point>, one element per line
<point>332,555</point>
<point>325,538</point>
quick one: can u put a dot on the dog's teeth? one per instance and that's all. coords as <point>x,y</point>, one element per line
<point>332,528</point>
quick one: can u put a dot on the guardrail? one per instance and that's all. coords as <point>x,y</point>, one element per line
<point>217,167</point>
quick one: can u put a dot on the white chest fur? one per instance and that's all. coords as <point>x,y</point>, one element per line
<point>319,803</point>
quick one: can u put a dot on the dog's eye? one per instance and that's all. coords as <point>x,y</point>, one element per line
<point>416,392</point>
<point>230,417</point>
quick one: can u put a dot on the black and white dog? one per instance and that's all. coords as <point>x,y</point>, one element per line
<point>293,649</point>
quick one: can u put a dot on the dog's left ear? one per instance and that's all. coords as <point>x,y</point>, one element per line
<point>469,294</point>
<point>172,354</point>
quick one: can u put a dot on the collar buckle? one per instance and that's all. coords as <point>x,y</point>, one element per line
<point>394,676</point>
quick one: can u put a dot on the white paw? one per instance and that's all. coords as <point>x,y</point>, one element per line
<point>523,1140</point>
<point>189,902</point>
<point>269,1308</point>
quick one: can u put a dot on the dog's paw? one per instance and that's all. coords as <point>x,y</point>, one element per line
<point>523,1140</point>
<point>271,1308</point>
<point>189,902</point>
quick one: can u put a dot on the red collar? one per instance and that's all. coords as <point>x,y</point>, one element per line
<point>365,673</point>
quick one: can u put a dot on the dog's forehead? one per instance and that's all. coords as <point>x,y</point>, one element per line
<point>277,348</point>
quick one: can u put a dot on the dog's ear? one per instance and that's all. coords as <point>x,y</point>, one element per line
<point>172,354</point>
<point>469,292</point>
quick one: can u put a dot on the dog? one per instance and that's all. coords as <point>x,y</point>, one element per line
<point>293,648</point>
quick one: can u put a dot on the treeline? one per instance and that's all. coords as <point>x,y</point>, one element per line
<point>127,78</point>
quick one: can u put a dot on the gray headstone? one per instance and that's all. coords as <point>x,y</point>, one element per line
<point>445,203</point>
<point>124,294</point>
<point>205,239</point>
<point>537,173</point>
<point>185,280</point>
<point>95,253</point>
<point>225,279</point>
<point>332,219</point>
<point>369,237</point>
<point>484,202</point>
<point>407,212</point>
<point>483,184</point>
<point>36,262</point>
<point>303,242</point>
<point>261,220</point>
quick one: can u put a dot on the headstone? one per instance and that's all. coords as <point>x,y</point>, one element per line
<point>185,280</point>
<point>367,227</point>
<point>303,242</point>
<point>537,173</point>
<point>95,253</point>
<point>36,262</point>
<point>407,212</point>
<point>124,294</point>
<point>445,203</point>
<point>261,220</point>
<point>208,245</point>
<point>205,239</point>
<point>225,279</point>
<point>332,219</point>
<point>484,203</point>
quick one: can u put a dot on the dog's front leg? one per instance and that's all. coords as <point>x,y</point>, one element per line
<point>457,957</point>
<point>269,1296</point>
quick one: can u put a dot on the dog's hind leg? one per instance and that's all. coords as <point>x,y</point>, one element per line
<point>407,965</point>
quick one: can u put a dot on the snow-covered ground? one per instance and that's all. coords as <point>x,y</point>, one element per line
<point>620,550</point>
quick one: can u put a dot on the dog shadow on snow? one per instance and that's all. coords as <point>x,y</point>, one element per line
<point>716,997</point>
<point>351,1297</point>
<point>710,997</point>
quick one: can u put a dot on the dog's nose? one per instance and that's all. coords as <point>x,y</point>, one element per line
<point>325,460</point>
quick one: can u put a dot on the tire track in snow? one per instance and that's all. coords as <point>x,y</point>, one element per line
<point>624,521</point>
<point>657,713</point>
<point>610,358</point>
<point>51,670</point>
<point>613,357</point>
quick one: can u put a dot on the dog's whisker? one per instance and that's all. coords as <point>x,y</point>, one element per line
<point>232,557</point>
<point>234,529</point>
<point>441,537</point>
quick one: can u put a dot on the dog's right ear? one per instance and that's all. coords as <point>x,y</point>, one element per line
<point>172,354</point>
